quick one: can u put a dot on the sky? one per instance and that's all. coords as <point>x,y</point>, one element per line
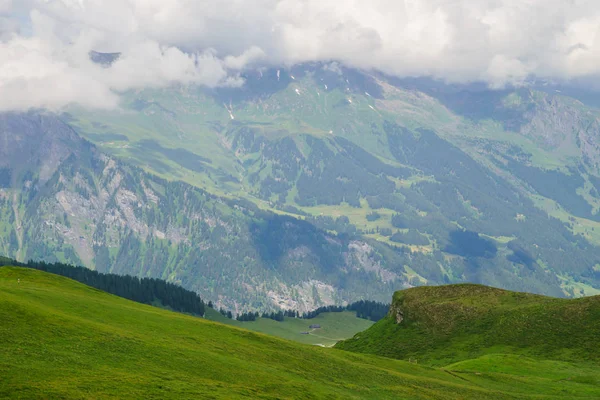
<point>45,44</point>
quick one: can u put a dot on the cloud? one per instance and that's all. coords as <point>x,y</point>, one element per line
<point>44,63</point>
<point>51,67</point>
<point>8,27</point>
<point>5,6</point>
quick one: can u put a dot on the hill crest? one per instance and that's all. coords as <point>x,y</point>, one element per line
<point>445,324</point>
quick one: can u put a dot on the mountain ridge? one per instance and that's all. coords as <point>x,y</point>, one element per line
<point>390,171</point>
<point>96,211</point>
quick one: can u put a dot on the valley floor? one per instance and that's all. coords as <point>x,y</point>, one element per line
<point>335,326</point>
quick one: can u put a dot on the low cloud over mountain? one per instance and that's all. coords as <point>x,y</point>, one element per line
<point>45,45</point>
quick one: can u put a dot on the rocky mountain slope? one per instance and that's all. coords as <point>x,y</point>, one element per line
<point>68,201</point>
<point>313,180</point>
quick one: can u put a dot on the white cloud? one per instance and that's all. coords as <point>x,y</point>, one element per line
<point>8,27</point>
<point>5,6</point>
<point>252,55</point>
<point>33,75</point>
<point>209,42</point>
<point>334,67</point>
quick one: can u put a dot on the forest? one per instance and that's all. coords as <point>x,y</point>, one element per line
<point>365,309</point>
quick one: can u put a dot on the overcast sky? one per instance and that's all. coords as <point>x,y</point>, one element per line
<point>44,44</point>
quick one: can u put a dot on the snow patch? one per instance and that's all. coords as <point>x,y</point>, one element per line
<point>229,110</point>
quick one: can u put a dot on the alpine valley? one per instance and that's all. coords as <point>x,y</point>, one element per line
<point>312,186</point>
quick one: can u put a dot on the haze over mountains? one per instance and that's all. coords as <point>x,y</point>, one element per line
<point>264,173</point>
<point>245,186</point>
<point>45,43</point>
<point>312,186</point>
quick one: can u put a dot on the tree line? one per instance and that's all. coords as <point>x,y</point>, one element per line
<point>145,290</point>
<point>365,309</point>
<point>159,292</point>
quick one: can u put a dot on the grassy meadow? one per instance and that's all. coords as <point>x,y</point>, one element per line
<point>61,339</point>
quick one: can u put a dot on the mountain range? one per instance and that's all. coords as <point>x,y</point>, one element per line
<point>313,185</point>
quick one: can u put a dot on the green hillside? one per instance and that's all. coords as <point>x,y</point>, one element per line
<point>61,339</point>
<point>333,326</point>
<point>448,324</point>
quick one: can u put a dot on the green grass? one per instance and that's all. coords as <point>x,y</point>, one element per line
<point>541,376</point>
<point>447,324</point>
<point>61,339</point>
<point>335,326</point>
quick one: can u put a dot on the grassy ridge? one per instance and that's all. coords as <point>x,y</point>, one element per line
<point>447,324</point>
<point>63,339</point>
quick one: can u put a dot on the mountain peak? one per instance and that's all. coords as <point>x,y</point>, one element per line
<point>104,59</point>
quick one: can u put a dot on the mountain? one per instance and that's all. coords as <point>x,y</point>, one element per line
<point>449,324</point>
<point>313,185</point>
<point>87,343</point>
<point>66,201</point>
<point>516,166</point>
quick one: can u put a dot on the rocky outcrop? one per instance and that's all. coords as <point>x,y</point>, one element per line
<point>396,313</point>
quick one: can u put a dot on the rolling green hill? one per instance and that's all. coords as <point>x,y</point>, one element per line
<point>61,339</point>
<point>333,326</point>
<point>449,324</point>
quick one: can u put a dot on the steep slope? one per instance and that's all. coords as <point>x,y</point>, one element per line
<point>88,208</point>
<point>352,149</point>
<point>465,184</point>
<point>25,152</point>
<point>446,324</point>
<point>63,339</point>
